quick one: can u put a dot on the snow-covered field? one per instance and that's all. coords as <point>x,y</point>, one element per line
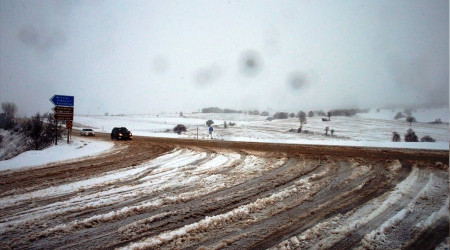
<point>372,129</point>
<point>56,153</point>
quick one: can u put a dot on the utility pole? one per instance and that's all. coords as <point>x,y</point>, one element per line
<point>197,132</point>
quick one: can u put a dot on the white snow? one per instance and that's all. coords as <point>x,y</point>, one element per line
<point>57,153</point>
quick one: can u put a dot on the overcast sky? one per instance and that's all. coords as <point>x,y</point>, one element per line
<point>151,56</point>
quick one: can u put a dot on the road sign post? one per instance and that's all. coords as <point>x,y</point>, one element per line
<point>63,100</point>
<point>63,112</point>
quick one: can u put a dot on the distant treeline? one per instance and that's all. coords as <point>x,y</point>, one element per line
<point>285,115</point>
<point>347,112</point>
<point>219,110</point>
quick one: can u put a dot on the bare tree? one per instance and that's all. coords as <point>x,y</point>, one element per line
<point>9,108</point>
<point>7,117</point>
<point>332,132</point>
<point>302,119</point>
<point>310,114</point>
<point>326,130</point>
<point>395,137</point>
<point>225,124</point>
<point>411,136</point>
<point>410,119</point>
<point>329,115</point>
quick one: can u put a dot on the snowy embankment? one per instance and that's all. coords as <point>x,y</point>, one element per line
<point>62,152</point>
<point>12,144</point>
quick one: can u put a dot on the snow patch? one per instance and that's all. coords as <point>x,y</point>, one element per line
<point>56,153</point>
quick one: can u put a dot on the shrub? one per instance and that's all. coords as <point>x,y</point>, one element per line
<point>6,122</point>
<point>411,136</point>
<point>321,113</point>
<point>326,130</point>
<point>280,115</point>
<point>395,136</point>
<point>332,132</point>
<point>310,114</point>
<point>291,115</point>
<point>269,118</point>
<point>209,123</point>
<point>254,112</point>
<point>427,138</point>
<point>410,119</point>
<point>179,128</point>
<point>264,113</point>
<point>224,124</point>
<point>231,123</point>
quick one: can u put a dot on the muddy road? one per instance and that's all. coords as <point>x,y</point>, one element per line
<point>153,193</point>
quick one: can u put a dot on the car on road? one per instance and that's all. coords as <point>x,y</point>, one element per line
<point>87,132</point>
<point>121,133</point>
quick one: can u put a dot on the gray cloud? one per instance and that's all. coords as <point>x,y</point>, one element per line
<point>145,56</point>
<point>41,39</point>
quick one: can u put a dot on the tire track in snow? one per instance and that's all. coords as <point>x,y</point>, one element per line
<point>230,199</point>
<point>328,201</point>
<point>357,235</point>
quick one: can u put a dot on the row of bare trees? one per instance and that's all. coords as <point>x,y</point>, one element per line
<point>411,136</point>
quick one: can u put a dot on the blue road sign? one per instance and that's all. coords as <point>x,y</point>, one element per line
<point>211,129</point>
<point>63,100</point>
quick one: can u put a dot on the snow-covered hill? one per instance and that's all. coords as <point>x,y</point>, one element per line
<point>365,129</point>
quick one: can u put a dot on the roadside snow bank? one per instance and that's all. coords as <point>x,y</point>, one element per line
<point>371,144</point>
<point>61,152</point>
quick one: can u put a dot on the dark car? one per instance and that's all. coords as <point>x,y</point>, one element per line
<point>121,133</point>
